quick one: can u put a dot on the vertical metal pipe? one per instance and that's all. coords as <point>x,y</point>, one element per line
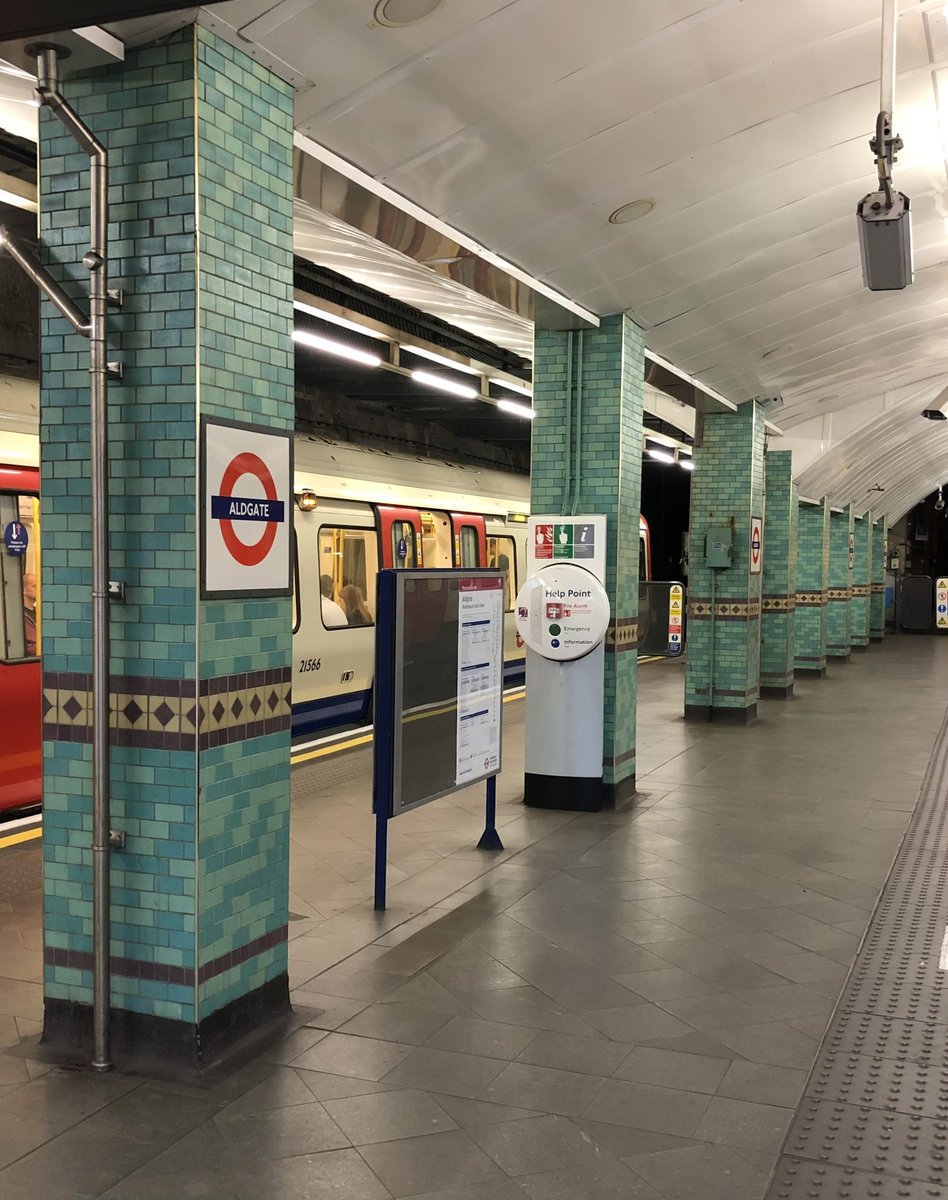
<point>96,260</point>
<point>890,20</point>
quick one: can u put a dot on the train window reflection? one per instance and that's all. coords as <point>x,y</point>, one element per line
<point>20,577</point>
<point>348,563</point>
<point>403,544</point>
<point>468,546</point>
<point>501,554</point>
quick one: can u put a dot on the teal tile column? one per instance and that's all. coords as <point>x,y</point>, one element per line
<point>862,574</point>
<point>840,583</point>
<point>727,492</point>
<point>779,599</point>
<point>608,368</point>
<point>200,141</point>
<point>813,552</point>
<point>877,581</point>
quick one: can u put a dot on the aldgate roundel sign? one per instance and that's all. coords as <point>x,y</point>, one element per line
<point>247,495</point>
<point>229,508</point>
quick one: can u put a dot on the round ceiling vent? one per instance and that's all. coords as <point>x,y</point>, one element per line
<point>395,13</point>
<point>632,211</point>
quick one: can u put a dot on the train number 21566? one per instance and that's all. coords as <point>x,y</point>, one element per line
<point>310,664</point>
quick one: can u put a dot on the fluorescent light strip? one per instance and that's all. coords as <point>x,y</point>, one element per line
<point>519,410</point>
<point>333,319</point>
<point>445,385</point>
<point>339,349</point>
<point>661,455</point>
<point>440,359</point>
<point>687,463</point>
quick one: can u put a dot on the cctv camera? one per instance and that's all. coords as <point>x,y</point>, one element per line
<point>934,414</point>
<point>939,505</point>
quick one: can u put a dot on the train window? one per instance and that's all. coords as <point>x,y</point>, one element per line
<point>348,563</point>
<point>467,546</point>
<point>403,544</point>
<point>19,577</point>
<point>502,553</point>
<point>296,584</point>
<point>643,558</point>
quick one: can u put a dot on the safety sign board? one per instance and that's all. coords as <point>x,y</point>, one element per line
<point>247,494</point>
<point>579,539</point>
<point>941,603</point>
<point>16,538</point>
<point>756,545</point>
<point>676,595</point>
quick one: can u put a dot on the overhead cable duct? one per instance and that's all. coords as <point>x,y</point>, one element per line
<point>883,216</point>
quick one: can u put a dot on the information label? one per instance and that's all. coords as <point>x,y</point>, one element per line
<point>676,596</point>
<point>756,545</point>
<point>480,677</point>
<point>941,603</point>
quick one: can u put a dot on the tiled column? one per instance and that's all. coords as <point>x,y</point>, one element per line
<point>813,550</point>
<point>727,491</point>
<point>840,583</point>
<point>862,575</point>
<point>780,593</point>
<point>200,139</point>
<point>877,584</point>
<point>610,363</point>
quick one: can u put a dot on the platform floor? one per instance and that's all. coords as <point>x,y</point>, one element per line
<point>622,1006</point>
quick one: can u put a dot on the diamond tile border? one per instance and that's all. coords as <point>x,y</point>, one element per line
<point>170,714</point>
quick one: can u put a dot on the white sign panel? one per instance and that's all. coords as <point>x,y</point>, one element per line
<point>247,501</point>
<point>563,612</point>
<point>480,677</point>
<point>756,546</point>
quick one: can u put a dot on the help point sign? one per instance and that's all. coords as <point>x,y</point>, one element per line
<point>247,501</point>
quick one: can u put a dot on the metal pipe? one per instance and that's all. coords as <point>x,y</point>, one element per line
<point>890,20</point>
<point>96,260</point>
<point>44,281</point>
<point>578,440</point>
<point>567,481</point>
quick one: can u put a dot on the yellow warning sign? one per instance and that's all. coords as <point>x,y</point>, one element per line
<point>941,603</point>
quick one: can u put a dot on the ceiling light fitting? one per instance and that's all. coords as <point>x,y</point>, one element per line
<point>394,14</point>
<point>633,211</point>
<point>660,455</point>
<point>439,383</point>
<point>687,463</point>
<point>520,388</point>
<point>519,410</point>
<point>339,349</point>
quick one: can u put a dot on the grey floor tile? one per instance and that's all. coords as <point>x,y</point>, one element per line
<point>700,1173</point>
<point>324,1086</point>
<point>607,1180</point>
<point>566,1093</point>
<point>489,1039</point>
<point>480,1112</point>
<point>762,1083</point>
<point>657,1109</point>
<point>637,1023</point>
<point>673,1069</point>
<point>541,1143</point>
<point>79,1162</point>
<point>507,1189</point>
<point>396,1023</point>
<point>788,1001</point>
<point>281,1132</point>
<point>567,1052</point>
<point>386,1116</point>
<point>806,967</point>
<point>721,1010</point>
<point>774,1042</point>
<point>335,1175</point>
<point>344,1054</point>
<point>625,1142</point>
<point>413,1166</point>
<point>670,983</point>
<point>354,984</point>
<point>446,1071</point>
<point>746,1124</point>
<point>292,1046</point>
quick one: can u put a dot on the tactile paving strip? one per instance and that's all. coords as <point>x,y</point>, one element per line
<point>21,870</point>
<point>873,1123</point>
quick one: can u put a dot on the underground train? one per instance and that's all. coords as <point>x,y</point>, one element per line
<point>357,511</point>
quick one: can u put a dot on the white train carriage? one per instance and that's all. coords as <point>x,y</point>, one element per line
<point>361,510</point>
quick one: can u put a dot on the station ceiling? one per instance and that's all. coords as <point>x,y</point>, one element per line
<point>744,125</point>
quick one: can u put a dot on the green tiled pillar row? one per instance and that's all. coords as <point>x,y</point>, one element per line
<point>607,366</point>
<point>727,506</point>
<point>813,551</point>
<point>877,581</point>
<point>200,140</point>
<point>778,603</point>
<point>839,596</point>
<point>862,575</point>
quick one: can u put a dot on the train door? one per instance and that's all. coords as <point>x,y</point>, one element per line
<point>400,537</point>
<point>470,540</point>
<point>20,636</point>
<point>502,554</point>
<point>436,539</point>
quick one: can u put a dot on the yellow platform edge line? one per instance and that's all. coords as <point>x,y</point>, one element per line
<point>28,835</point>
<point>365,738</point>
